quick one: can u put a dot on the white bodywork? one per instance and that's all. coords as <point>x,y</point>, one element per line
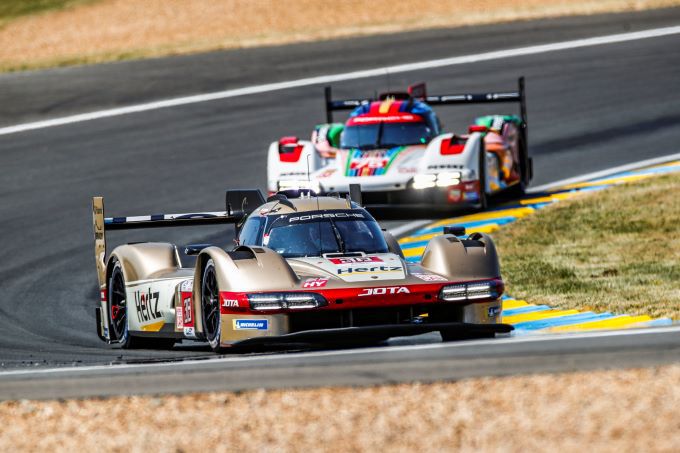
<point>412,168</point>
<point>151,303</point>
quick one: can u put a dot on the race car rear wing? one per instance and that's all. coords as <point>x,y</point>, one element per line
<point>418,92</point>
<point>239,203</point>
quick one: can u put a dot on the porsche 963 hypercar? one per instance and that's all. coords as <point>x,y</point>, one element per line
<point>306,269</point>
<point>395,148</point>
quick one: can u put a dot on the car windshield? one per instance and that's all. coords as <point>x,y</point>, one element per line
<point>295,236</point>
<point>385,135</point>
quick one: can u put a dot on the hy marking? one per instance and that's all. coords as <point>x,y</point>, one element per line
<point>330,78</point>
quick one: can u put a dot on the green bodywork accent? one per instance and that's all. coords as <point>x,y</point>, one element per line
<point>333,132</point>
<point>488,120</point>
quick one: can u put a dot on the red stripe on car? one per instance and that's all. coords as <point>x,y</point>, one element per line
<point>350,298</point>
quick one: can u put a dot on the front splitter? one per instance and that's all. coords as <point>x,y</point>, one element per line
<point>375,334</point>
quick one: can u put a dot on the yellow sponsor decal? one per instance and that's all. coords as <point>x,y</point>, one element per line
<point>385,106</point>
<point>155,327</point>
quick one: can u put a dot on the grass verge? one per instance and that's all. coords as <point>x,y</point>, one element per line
<point>602,411</point>
<point>617,250</point>
<point>107,30</point>
<point>13,9</point>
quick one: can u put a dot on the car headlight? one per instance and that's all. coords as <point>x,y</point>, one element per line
<point>285,301</point>
<point>487,289</point>
<point>446,179</point>
<point>424,181</point>
<point>454,292</point>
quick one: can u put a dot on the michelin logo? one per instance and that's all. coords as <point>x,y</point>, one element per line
<point>494,311</point>
<point>251,324</point>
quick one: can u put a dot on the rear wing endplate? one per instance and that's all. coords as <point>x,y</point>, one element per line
<point>239,204</point>
<point>418,92</point>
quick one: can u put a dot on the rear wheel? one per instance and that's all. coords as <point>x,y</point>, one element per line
<point>210,306</point>
<point>118,315</point>
<point>519,189</point>
<point>483,197</point>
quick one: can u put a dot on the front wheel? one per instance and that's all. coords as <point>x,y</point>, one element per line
<point>210,306</point>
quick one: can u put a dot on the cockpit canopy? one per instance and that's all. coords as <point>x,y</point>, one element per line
<point>388,124</point>
<point>315,233</point>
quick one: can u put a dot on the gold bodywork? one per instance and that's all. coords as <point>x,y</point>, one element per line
<point>448,255</point>
<point>99,239</point>
<point>259,269</point>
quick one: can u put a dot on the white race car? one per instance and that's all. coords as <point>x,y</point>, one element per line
<point>395,149</point>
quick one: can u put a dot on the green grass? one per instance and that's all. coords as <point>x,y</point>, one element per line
<point>617,250</point>
<point>12,9</point>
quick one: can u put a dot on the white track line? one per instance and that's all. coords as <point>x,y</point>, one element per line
<point>464,59</point>
<point>606,172</point>
<point>196,363</point>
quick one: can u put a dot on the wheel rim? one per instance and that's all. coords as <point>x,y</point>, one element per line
<point>118,305</point>
<point>210,303</point>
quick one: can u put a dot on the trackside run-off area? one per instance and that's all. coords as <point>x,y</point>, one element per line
<point>49,33</point>
<point>603,410</point>
<point>541,317</point>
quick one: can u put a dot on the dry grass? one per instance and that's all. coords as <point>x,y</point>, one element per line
<point>617,411</point>
<point>108,30</point>
<point>617,250</point>
<point>12,9</point>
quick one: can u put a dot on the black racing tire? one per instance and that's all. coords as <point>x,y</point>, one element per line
<point>483,203</point>
<point>118,316</point>
<point>210,306</point>
<point>519,189</point>
<point>117,309</point>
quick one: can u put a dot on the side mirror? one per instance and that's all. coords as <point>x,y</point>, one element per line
<point>392,244</point>
<point>355,193</point>
<point>240,203</point>
<point>195,249</point>
<point>455,230</point>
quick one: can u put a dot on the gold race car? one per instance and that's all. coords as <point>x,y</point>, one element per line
<point>306,269</point>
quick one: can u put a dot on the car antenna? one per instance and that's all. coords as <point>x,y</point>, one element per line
<point>318,207</point>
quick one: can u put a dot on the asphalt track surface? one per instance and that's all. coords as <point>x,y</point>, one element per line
<point>370,366</point>
<point>589,109</point>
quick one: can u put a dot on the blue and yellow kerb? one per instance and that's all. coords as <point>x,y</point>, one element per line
<point>526,317</point>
